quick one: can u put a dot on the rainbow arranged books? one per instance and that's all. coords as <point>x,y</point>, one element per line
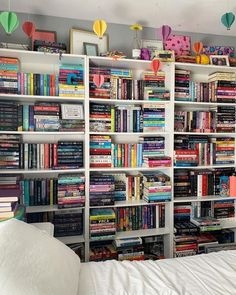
<point>100,151</point>
<point>102,224</point>
<point>71,190</point>
<point>101,190</point>
<point>182,85</point>
<point>9,68</point>
<point>153,118</point>
<point>9,151</point>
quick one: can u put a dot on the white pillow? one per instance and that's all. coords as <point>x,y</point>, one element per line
<point>33,263</point>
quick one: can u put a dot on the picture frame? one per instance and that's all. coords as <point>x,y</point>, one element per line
<point>219,60</point>
<point>79,37</point>
<point>90,49</point>
<point>43,35</point>
<point>152,45</point>
<point>165,55</point>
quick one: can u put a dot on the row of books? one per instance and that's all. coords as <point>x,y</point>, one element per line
<point>119,84</point>
<point>221,120</point>
<point>9,68</point>
<point>202,183</point>
<point>61,155</point>
<point>219,88</point>
<point>203,150</point>
<point>41,117</point>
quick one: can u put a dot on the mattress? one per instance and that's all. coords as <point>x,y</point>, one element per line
<point>206,274</point>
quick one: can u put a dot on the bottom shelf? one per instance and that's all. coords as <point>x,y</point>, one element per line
<point>71,239</point>
<point>142,233</point>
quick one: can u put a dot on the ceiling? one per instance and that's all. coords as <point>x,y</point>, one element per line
<point>182,15</point>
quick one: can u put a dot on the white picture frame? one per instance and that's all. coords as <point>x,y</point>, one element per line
<point>72,111</point>
<point>219,60</point>
<point>79,37</point>
<point>152,46</point>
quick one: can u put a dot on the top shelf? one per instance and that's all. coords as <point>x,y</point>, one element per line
<point>203,69</point>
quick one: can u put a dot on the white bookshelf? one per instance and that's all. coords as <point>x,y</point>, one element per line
<point>49,63</point>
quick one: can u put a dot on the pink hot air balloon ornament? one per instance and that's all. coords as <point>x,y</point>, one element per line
<point>155,65</point>
<point>164,32</point>
<point>29,28</point>
<point>98,80</point>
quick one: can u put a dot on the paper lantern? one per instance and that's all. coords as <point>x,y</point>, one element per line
<point>165,32</point>
<point>98,80</point>
<point>99,27</point>
<point>227,19</point>
<point>202,59</point>
<point>29,28</point>
<point>155,65</point>
<point>9,21</point>
<point>197,47</point>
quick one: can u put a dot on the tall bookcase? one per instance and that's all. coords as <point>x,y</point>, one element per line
<point>49,63</point>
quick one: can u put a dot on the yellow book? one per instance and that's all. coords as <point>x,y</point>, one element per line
<point>31,84</point>
<point>112,119</point>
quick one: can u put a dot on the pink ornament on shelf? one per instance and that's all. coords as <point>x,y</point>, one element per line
<point>29,28</point>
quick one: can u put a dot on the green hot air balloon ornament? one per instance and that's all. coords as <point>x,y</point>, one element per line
<point>227,19</point>
<point>9,21</point>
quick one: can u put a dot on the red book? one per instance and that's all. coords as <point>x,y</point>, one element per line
<point>54,152</point>
<point>46,155</point>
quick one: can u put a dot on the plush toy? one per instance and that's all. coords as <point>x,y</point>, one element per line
<point>145,54</point>
<point>202,59</point>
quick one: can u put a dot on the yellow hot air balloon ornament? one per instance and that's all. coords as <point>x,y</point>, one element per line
<point>99,27</point>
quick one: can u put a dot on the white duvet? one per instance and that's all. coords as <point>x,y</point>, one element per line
<point>210,274</point>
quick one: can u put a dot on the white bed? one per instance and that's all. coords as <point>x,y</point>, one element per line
<point>34,263</point>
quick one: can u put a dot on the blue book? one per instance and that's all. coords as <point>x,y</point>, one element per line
<point>41,84</point>
<point>25,117</point>
<point>26,192</point>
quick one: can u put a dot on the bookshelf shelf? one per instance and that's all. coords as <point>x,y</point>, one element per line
<point>142,233</point>
<point>203,69</point>
<point>202,199</point>
<point>40,171</point>
<point>206,167</point>
<point>202,104</point>
<point>123,169</point>
<point>127,102</point>
<point>48,208</point>
<point>130,133</point>
<point>36,133</point>
<point>71,239</point>
<point>130,204</point>
<point>205,133</point>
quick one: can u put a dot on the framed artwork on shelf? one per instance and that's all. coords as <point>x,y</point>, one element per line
<point>42,35</point>
<point>152,45</point>
<point>165,55</point>
<point>218,50</point>
<point>219,60</point>
<point>79,37</point>
<point>90,49</point>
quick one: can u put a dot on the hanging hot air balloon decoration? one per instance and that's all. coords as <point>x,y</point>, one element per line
<point>228,19</point>
<point>9,21</point>
<point>99,27</point>
<point>155,65</point>
<point>164,32</point>
<point>29,28</point>
<point>200,58</point>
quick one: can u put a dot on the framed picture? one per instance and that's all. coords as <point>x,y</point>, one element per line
<point>42,35</point>
<point>165,55</point>
<point>90,49</point>
<point>219,60</point>
<point>79,37</point>
<point>152,45</point>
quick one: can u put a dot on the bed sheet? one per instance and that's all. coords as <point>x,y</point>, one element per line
<point>206,274</point>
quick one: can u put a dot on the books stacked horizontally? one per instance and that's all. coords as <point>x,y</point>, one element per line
<point>99,83</point>
<point>100,118</point>
<point>223,86</point>
<point>127,155</point>
<point>185,245</point>
<point>9,151</point>
<point>37,84</point>
<point>9,67</point>
<point>102,252</point>
<point>101,190</point>
<point>129,249</point>
<point>206,224</point>
<point>10,194</point>
<point>72,118</point>
<point>182,224</point>
<point>71,80</point>
<point>102,224</point>
<point>224,209</point>
<point>153,118</point>
<point>69,155</point>
<point>225,119</point>
<point>68,223</point>
<point>71,190</point>
<point>157,187</point>
<point>223,150</point>
<point>39,191</point>
<point>100,151</point>
<point>181,183</point>
<point>205,240</point>
<point>182,85</point>
<point>126,119</point>
<point>152,146</point>
<point>9,116</point>
<point>160,161</point>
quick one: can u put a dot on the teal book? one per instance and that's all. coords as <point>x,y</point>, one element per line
<point>26,192</point>
<point>25,117</point>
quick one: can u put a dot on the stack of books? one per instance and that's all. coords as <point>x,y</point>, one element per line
<point>206,224</point>
<point>223,150</point>
<point>160,161</point>
<point>182,85</point>
<point>204,240</point>
<point>9,151</point>
<point>68,223</point>
<point>99,91</point>
<point>157,187</point>
<point>185,245</point>
<point>100,118</point>
<point>71,190</point>
<point>129,249</point>
<point>152,146</point>
<point>101,190</point>
<point>102,252</point>
<point>69,155</point>
<point>225,119</point>
<point>9,67</point>
<point>153,118</point>
<point>37,84</point>
<point>223,86</point>
<point>102,224</point>
<point>39,191</point>
<point>10,195</point>
<point>224,209</point>
<point>9,116</point>
<point>71,80</point>
<point>127,155</point>
<point>100,151</point>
